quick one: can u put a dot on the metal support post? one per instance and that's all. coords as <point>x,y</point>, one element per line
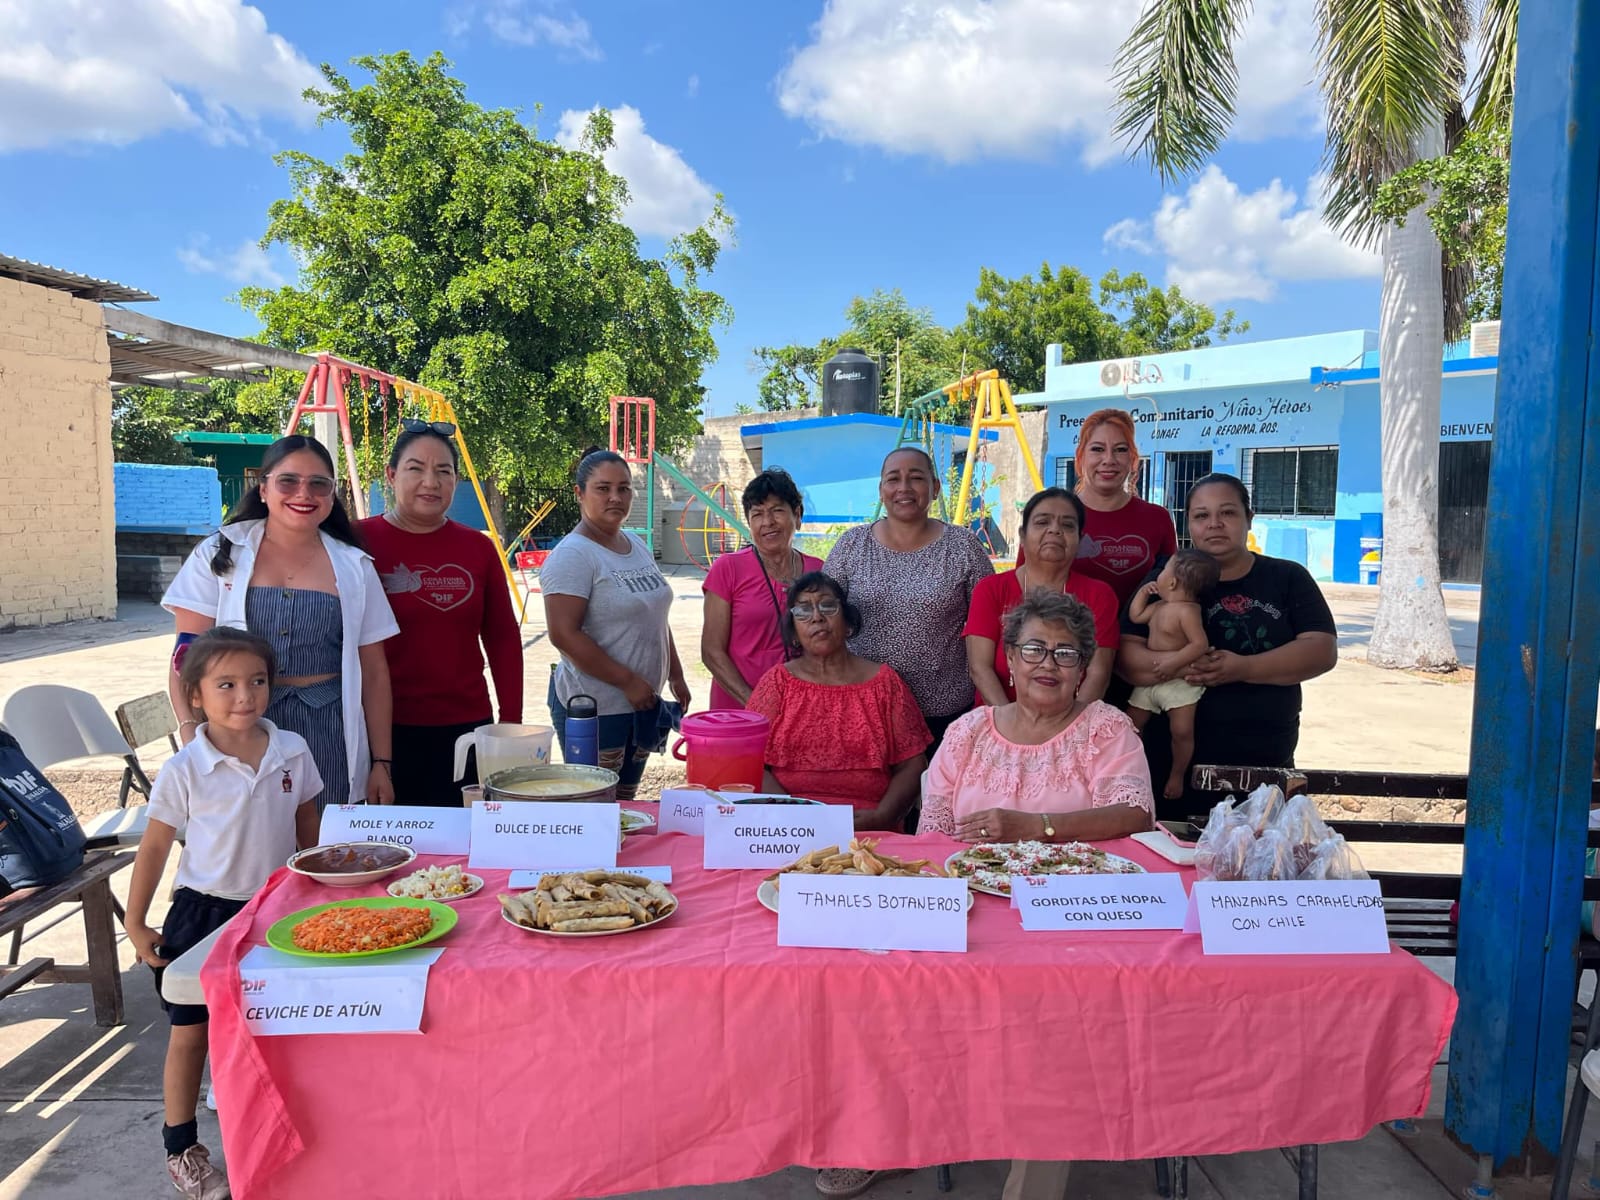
<point>1539,631</point>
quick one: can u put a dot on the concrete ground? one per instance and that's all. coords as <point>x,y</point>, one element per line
<point>82,1105</point>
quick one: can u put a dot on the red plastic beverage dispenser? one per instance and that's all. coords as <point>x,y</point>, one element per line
<point>724,746</point>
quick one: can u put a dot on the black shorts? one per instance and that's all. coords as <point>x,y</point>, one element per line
<point>193,917</point>
<point>425,763</point>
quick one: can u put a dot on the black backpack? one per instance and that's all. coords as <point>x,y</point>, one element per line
<point>41,841</point>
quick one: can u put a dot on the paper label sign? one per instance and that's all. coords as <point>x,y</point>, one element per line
<point>873,912</point>
<point>1335,917</point>
<point>530,878</point>
<point>521,833</point>
<point>683,811</point>
<point>425,830</point>
<point>283,994</point>
<point>1089,902</point>
<point>741,836</point>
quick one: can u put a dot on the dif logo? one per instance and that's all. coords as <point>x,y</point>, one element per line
<point>251,986</point>
<point>493,806</point>
<point>726,810</point>
<point>1035,881</point>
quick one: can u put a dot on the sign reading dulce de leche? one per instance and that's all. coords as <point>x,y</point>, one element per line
<point>528,833</point>
<point>742,836</point>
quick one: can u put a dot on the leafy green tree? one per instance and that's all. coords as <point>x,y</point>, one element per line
<point>144,420</point>
<point>1011,321</point>
<point>1394,85</point>
<point>1465,192</point>
<point>456,248</point>
<point>1153,320</point>
<point>884,324</point>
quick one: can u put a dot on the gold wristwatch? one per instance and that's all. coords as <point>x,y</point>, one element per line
<point>1049,829</point>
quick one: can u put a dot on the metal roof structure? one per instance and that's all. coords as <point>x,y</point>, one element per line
<point>85,287</point>
<point>153,353</point>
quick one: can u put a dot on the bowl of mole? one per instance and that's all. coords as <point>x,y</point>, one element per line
<point>351,864</point>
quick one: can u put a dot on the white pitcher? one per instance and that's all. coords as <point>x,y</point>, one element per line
<point>501,747</point>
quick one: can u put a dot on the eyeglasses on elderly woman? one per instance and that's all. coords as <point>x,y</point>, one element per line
<point>804,610</point>
<point>1035,653</point>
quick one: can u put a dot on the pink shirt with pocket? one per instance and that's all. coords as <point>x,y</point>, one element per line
<point>755,642</point>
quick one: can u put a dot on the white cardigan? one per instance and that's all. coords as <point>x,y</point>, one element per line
<point>365,616</point>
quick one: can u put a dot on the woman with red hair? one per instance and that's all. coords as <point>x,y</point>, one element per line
<point>1123,536</point>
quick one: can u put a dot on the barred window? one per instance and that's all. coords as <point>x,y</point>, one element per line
<point>1296,481</point>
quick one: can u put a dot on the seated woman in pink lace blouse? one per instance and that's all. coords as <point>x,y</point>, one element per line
<point>1045,762</point>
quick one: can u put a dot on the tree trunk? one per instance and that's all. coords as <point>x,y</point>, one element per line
<point>1411,629</point>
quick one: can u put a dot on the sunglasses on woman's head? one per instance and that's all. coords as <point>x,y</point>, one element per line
<point>320,486</point>
<point>442,428</point>
<point>804,612</point>
<point>1036,652</point>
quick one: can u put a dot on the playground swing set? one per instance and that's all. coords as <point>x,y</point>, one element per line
<point>327,389</point>
<point>992,410</point>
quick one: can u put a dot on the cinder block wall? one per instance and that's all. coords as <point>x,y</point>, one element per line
<point>57,527</point>
<point>154,498</point>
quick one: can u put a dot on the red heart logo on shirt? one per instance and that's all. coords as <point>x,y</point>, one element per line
<point>444,587</point>
<point>1120,555</point>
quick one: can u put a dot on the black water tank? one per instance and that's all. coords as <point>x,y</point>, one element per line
<point>849,383</point>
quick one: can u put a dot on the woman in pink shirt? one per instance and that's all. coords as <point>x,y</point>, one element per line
<point>1047,767</point>
<point>742,638</point>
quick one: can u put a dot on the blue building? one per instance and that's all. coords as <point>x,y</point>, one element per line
<point>1298,420</point>
<point>836,460</point>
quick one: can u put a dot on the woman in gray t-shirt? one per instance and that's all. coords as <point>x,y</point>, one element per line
<point>912,576</point>
<point>606,605</point>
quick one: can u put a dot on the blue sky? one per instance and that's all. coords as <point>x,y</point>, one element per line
<point>859,144</point>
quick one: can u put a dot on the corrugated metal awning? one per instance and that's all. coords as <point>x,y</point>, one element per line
<point>85,287</point>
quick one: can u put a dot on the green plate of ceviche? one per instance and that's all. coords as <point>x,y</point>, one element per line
<point>361,927</point>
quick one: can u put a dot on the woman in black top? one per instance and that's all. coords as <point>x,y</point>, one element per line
<point>1270,630</point>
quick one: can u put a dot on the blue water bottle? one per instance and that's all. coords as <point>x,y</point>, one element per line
<point>583,731</point>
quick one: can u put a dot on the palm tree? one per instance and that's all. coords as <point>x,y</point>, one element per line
<point>1394,84</point>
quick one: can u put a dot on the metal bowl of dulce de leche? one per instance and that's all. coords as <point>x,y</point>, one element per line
<point>553,782</point>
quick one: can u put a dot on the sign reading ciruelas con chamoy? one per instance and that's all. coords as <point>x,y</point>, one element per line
<point>744,836</point>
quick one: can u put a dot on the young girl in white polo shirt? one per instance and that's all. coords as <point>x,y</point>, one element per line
<point>245,791</point>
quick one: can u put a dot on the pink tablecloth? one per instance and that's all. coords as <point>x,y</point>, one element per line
<point>700,1052</point>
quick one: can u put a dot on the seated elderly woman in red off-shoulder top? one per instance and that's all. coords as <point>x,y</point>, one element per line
<point>844,730</point>
<point>1044,767</point>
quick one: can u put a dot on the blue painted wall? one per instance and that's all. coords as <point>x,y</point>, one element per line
<point>160,499</point>
<point>836,461</point>
<point>1234,398</point>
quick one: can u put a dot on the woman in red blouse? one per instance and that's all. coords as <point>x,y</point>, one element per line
<point>844,730</point>
<point>1123,535</point>
<point>449,593</point>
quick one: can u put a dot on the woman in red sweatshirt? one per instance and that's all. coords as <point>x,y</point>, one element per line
<point>450,597</point>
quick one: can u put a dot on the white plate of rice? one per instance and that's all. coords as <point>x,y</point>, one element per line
<point>446,884</point>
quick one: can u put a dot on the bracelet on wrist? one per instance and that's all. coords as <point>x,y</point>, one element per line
<point>186,724</point>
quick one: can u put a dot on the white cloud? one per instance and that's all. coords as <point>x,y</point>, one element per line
<point>693,87</point>
<point>246,263</point>
<point>528,23</point>
<point>115,71</point>
<point>1224,244</point>
<point>963,79</point>
<point>666,196</point>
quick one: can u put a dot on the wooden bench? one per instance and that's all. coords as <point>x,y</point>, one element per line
<point>90,886</point>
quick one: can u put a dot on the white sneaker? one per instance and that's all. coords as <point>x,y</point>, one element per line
<point>211,1098</point>
<point>193,1175</point>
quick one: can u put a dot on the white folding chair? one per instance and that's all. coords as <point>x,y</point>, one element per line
<point>58,724</point>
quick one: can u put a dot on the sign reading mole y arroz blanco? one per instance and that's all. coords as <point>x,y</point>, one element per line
<point>1055,902</point>
<point>425,830</point>
<point>529,833</point>
<point>742,836</point>
<point>1334,917</point>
